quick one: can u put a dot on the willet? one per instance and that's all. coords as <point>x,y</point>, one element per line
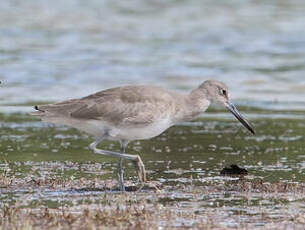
<point>132,113</point>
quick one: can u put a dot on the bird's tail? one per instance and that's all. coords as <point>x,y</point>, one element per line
<point>39,111</point>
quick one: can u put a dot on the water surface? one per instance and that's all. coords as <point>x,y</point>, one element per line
<point>51,51</point>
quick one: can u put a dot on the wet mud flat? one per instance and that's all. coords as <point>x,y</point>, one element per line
<point>226,203</point>
<point>49,178</point>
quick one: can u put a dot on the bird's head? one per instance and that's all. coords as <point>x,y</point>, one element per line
<point>217,92</point>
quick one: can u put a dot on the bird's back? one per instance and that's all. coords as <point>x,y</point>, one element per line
<point>128,105</point>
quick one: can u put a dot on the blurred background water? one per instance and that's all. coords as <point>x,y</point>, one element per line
<point>55,50</point>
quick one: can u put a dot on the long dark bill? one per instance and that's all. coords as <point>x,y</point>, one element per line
<point>239,117</point>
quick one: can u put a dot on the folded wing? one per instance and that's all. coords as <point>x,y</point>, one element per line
<point>123,106</point>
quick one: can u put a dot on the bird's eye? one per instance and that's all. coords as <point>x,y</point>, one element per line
<point>223,92</point>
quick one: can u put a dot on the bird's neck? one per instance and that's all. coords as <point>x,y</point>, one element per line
<point>191,106</point>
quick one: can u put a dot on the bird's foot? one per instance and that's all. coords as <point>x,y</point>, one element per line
<point>140,169</point>
<point>122,187</point>
<point>151,185</point>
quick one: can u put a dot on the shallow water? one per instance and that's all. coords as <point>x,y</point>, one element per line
<point>194,151</point>
<point>199,149</point>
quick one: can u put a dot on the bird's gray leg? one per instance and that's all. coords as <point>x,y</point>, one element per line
<point>93,145</point>
<point>120,166</point>
<point>135,158</point>
<point>121,174</point>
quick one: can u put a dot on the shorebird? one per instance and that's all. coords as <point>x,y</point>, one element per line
<point>131,113</point>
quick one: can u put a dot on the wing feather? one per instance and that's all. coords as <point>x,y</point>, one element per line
<point>130,105</point>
